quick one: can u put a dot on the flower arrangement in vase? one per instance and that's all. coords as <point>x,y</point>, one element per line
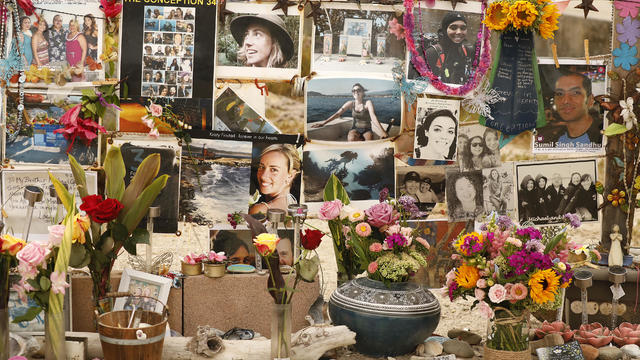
<point>214,264</point>
<point>510,271</point>
<point>192,264</point>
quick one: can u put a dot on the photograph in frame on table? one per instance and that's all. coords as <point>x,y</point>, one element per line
<point>238,246</point>
<point>18,307</point>
<point>548,190</point>
<point>464,194</point>
<point>499,190</point>
<point>425,184</point>
<point>168,49</point>
<point>478,147</point>
<point>46,212</point>
<point>36,137</point>
<point>134,151</point>
<point>195,112</point>
<point>355,38</point>
<point>234,113</point>
<point>363,171</point>
<point>61,43</point>
<point>574,119</point>
<point>352,109</point>
<point>446,41</point>
<point>257,37</point>
<point>436,129</point>
<point>141,284</point>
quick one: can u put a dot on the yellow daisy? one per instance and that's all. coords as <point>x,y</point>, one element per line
<point>544,286</point>
<point>496,17</point>
<point>549,24</point>
<point>467,276</point>
<point>522,14</point>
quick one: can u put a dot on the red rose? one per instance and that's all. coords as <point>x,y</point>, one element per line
<point>101,211</point>
<point>311,239</point>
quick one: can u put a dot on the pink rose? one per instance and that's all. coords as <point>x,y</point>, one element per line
<point>330,210</point>
<point>479,293</point>
<point>375,247</point>
<point>33,253</point>
<point>481,283</point>
<point>56,232</point>
<point>155,110</point>
<point>507,288</point>
<point>497,293</point>
<point>381,214</point>
<point>423,242</point>
<point>485,309</point>
<point>519,291</point>
<point>373,267</point>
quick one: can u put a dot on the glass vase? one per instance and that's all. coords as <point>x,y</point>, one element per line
<point>281,332</point>
<point>4,308</point>
<point>54,336</point>
<point>508,330</point>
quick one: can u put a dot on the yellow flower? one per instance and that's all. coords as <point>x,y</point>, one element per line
<point>266,243</point>
<point>467,276</point>
<point>81,224</point>
<point>10,245</point>
<point>522,14</point>
<point>496,18</point>
<point>469,243</point>
<point>549,23</point>
<point>544,286</point>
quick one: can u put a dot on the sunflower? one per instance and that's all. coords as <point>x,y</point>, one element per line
<point>544,286</point>
<point>496,17</point>
<point>522,14</point>
<point>549,22</point>
<point>467,276</point>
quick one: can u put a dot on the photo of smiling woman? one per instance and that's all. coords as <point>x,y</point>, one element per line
<point>464,195</point>
<point>436,136</point>
<point>263,39</point>
<point>275,177</point>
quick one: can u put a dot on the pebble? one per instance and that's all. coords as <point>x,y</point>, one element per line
<point>464,335</point>
<point>432,348</point>
<point>547,341</point>
<point>589,352</point>
<point>459,348</point>
<point>610,353</point>
<point>632,350</point>
<point>440,339</point>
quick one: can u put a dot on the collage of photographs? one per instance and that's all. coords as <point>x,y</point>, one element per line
<point>167,60</point>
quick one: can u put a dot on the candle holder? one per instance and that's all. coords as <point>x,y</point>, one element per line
<point>617,275</point>
<point>32,194</point>
<point>583,280</point>
<point>299,214</point>
<point>154,212</point>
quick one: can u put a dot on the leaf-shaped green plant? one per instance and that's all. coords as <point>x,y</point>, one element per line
<point>147,171</point>
<point>114,171</point>
<point>143,202</point>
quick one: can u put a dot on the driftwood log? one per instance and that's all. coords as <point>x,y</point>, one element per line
<point>307,344</point>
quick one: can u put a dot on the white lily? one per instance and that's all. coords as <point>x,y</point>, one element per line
<point>627,113</point>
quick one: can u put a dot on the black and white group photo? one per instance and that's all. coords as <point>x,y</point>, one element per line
<point>425,184</point>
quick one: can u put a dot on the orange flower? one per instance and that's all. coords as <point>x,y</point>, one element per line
<point>522,14</point>
<point>10,245</point>
<point>467,276</point>
<point>549,23</point>
<point>496,18</point>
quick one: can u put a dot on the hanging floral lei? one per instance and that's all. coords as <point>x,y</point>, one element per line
<point>481,62</point>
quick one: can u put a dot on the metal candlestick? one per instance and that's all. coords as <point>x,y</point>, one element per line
<point>32,194</point>
<point>617,275</point>
<point>274,217</point>
<point>583,280</point>
<point>154,212</point>
<point>299,215</point>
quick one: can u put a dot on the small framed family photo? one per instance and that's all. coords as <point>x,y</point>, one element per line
<point>548,191</point>
<point>144,288</point>
<point>498,190</point>
<point>478,147</point>
<point>425,184</point>
<point>465,195</point>
<point>436,130</point>
<point>446,40</point>
<point>258,37</point>
<point>574,119</point>
<point>352,109</point>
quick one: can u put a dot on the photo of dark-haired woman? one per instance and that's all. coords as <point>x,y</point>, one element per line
<point>464,195</point>
<point>435,137</point>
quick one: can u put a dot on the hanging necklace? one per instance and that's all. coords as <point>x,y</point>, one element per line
<point>21,76</point>
<point>481,61</point>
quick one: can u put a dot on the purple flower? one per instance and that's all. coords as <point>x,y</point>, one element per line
<point>568,274</point>
<point>384,194</point>
<point>452,287</point>
<point>484,227</point>
<point>534,245</point>
<point>530,232</point>
<point>628,30</point>
<point>504,222</point>
<point>573,219</point>
<point>409,205</point>
<point>395,240</point>
<point>523,261</point>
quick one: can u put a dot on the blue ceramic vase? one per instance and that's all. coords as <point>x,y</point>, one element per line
<point>388,321</point>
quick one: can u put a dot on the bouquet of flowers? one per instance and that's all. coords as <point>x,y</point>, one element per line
<point>162,117</point>
<point>376,240</point>
<point>214,257</point>
<point>540,16</point>
<point>511,270</point>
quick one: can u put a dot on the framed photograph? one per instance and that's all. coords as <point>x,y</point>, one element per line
<point>446,40</point>
<point>35,138</point>
<point>17,308</point>
<point>426,184</point>
<point>195,112</point>
<point>548,190</point>
<point>498,188</point>
<point>436,129</point>
<point>258,37</point>
<point>478,147</point>
<point>574,118</point>
<point>45,212</point>
<point>139,283</point>
<point>65,43</point>
<point>238,246</point>
<point>465,196</point>
<point>355,38</point>
<point>352,109</point>
<point>134,151</point>
<point>364,171</point>
<point>233,113</point>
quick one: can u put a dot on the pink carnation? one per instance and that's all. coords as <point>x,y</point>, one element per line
<point>507,289</point>
<point>485,309</point>
<point>481,283</point>
<point>479,293</point>
<point>375,247</point>
<point>497,294</point>
<point>519,291</point>
<point>514,241</point>
<point>373,267</point>
<point>330,210</point>
<point>363,229</point>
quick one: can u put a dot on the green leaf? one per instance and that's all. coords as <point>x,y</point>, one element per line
<point>618,161</point>
<point>78,255</point>
<point>45,283</point>
<point>112,68</point>
<point>114,171</point>
<point>119,232</point>
<point>63,193</point>
<point>35,284</point>
<point>334,190</point>
<point>554,241</point>
<point>92,108</point>
<point>89,93</point>
<point>624,207</point>
<point>29,315</point>
<point>79,176</point>
<point>125,90</point>
<point>142,203</point>
<point>130,246</point>
<point>145,174</point>
<point>615,129</point>
<point>140,236</point>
